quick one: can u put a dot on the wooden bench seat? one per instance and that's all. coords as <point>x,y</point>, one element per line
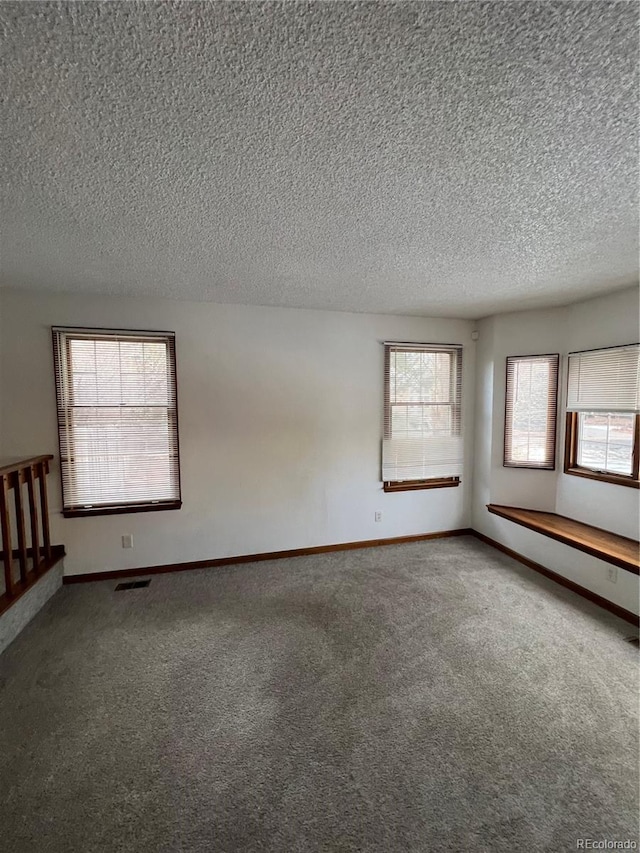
<point>602,544</point>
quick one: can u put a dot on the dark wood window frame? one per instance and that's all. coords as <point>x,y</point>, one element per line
<point>412,485</point>
<point>456,420</point>
<point>122,509</point>
<point>571,456</point>
<point>61,353</point>
<point>552,415</point>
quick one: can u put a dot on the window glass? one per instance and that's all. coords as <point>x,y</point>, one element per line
<point>530,411</point>
<point>605,442</point>
<point>117,419</point>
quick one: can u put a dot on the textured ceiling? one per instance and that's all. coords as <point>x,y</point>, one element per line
<point>421,158</point>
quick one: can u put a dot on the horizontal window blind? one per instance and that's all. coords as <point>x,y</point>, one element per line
<point>531,411</point>
<point>422,413</point>
<point>117,418</point>
<point>605,380</point>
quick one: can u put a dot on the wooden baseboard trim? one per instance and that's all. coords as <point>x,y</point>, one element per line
<point>89,577</point>
<point>256,558</point>
<point>627,615</point>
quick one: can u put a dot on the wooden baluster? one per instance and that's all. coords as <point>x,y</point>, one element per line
<point>30,474</point>
<point>22,538</point>
<point>44,509</point>
<point>5,524</point>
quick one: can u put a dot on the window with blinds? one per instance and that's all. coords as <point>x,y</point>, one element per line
<point>531,402</point>
<point>603,415</point>
<point>117,420</point>
<point>422,444</point>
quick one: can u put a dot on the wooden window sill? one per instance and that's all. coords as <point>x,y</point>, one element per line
<point>119,510</point>
<point>616,479</point>
<point>413,485</point>
<point>530,466</point>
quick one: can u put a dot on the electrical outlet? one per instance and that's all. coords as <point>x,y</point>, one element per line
<point>377,516</point>
<point>127,541</point>
<point>612,574</point>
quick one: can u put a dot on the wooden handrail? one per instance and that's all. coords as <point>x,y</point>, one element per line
<point>9,466</point>
<point>37,557</point>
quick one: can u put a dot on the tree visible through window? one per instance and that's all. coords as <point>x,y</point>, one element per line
<point>421,398</point>
<point>422,444</point>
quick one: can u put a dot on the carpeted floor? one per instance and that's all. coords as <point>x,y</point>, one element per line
<point>427,697</point>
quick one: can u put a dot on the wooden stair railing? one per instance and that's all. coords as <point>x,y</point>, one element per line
<point>18,513</point>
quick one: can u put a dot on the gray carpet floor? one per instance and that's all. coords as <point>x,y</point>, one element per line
<point>427,697</point>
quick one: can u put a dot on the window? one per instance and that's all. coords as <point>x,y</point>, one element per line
<point>530,411</point>
<point>117,420</point>
<point>602,438</point>
<point>422,446</point>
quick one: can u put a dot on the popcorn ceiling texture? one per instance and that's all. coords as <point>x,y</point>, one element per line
<point>414,158</point>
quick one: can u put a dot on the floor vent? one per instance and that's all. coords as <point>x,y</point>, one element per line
<point>132,585</point>
<point>635,641</point>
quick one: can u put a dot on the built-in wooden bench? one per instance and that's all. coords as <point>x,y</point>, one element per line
<point>602,544</point>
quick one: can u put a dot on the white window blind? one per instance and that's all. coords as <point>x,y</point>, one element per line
<point>530,411</point>
<point>117,420</point>
<point>605,380</point>
<point>422,413</point>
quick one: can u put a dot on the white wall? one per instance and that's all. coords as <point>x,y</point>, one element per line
<point>280,416</point>
<point>605,321</point>
<point>592,324</point>
<point>280,426</point>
